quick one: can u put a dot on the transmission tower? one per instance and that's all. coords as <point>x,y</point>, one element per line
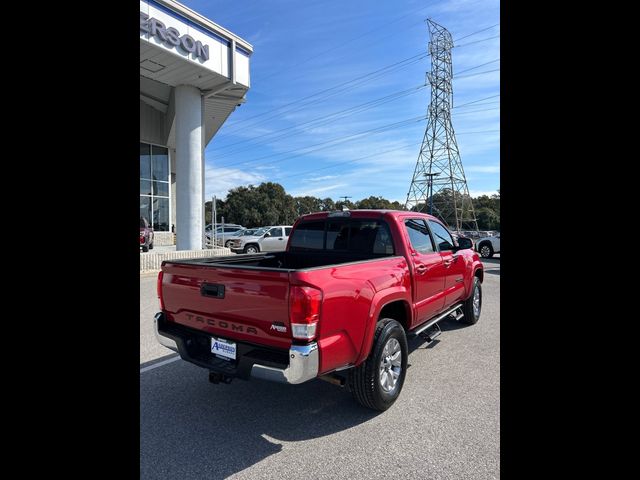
<point>438,182</point>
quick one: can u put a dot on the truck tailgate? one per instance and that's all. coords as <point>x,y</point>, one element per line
<point>247,305</point>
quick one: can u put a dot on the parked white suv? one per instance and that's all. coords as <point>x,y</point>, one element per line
<point>487,246</point>
<point>265,239</point>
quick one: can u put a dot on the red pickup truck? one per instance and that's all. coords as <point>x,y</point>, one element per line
<point>337,304</point>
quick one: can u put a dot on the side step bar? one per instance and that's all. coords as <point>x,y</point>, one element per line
<point>432,322</point>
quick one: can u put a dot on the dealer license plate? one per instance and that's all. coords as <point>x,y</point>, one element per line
<point>223,348</point>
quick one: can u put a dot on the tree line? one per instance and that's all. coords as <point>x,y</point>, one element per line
<point>269,204</point>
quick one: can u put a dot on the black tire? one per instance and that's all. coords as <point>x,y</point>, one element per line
<point>151,246</point>
<point>485,250</point>
<point>145,248</point>
<point>470,317</point>
<point>227,243</point>
<point>251,246</point>
<point>364,380</point>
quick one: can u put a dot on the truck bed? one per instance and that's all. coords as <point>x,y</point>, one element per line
<point>279,261</point>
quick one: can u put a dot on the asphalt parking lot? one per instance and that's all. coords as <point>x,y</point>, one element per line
<point>445,425</point>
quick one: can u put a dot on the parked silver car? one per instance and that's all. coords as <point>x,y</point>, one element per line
<point>265,239</point>
<point>222,234</point>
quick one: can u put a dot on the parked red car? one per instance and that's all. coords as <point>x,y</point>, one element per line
<point>146,235</point>
<point>338,304</point>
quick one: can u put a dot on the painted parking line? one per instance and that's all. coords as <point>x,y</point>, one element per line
<point>160,364</point>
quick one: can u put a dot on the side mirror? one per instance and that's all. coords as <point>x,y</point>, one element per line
<point>267,235</point>
<point>464,243</point>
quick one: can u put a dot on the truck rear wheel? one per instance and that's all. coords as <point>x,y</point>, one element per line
<point>377,382</point>
<point>472,306</point>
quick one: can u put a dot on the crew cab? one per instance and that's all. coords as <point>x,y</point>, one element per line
<point>337,304</point>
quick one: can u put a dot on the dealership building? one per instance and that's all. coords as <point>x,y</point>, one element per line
<point>193,75</point>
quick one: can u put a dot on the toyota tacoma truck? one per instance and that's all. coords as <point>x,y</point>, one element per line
<point>338,304</point>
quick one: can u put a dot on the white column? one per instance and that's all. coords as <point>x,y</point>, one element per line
<point>189,207</point>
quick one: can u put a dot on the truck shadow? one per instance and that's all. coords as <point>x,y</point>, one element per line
<point>190,428</point>
<point>446,325</point>
<point>491,260</point>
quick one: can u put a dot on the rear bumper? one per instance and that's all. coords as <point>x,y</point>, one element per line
<point>298,365</point>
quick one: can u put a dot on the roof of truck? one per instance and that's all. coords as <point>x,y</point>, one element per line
<point>363,213</point>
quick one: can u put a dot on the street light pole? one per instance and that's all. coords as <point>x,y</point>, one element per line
<point>431,175</point>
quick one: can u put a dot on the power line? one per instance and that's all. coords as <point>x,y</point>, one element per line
<point>482,104</point>
<point>479,31</point>
<point>476,101</point>
<point>465,112</point>
<point>483,131</point>
<point>457,114</point>
<point>346,42</point>
<point>479,73</point>
<point>477,66</point>
<point>421,55</point>
<point>328,118</point>
<point>339,164</point>
<point>477,41</point>
<point>352,110</point>
<point>413,57</point>
<point>331,143</point>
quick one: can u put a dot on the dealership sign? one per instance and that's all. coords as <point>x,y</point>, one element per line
<point>189,38</point>
<point>171,36</point>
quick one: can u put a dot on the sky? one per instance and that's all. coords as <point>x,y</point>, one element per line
<point>337,104</point>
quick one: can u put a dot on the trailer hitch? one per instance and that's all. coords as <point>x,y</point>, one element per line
<point>215,377</point>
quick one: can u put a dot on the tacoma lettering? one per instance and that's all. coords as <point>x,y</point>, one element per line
<point>222,324</point>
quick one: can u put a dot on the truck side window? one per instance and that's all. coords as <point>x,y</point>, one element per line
<point>419,236</point>
<point>442,236</point>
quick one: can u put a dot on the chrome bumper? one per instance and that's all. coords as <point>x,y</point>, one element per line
<point>304,361</point>
<point>303,366</point>
<point>166,341</point>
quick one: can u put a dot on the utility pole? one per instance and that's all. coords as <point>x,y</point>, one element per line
<point>214,216</point>
<point>430,191</point>
<point>439,154</point>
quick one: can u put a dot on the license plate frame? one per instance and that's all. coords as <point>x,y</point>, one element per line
<point>223,348</point>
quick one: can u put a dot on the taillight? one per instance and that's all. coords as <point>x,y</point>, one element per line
<point>304,311</point>
<point>159,290</point>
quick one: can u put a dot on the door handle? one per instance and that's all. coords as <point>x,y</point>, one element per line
<point>447,263</point>
<point>279,239</point>
<point>421,269</point>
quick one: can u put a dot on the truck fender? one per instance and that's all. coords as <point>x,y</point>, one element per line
<point>378,302</point>
<point>468,284</point>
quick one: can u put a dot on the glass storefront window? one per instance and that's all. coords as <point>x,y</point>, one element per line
<point>161,189</point>
<point>145,187</point>
<point>161,214</point>
<point>145,160</point>
<point>154,186</point>
<point>159,163</point>
<point>145,208</point>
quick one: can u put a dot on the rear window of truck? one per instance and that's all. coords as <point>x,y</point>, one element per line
<point>338,235</point>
